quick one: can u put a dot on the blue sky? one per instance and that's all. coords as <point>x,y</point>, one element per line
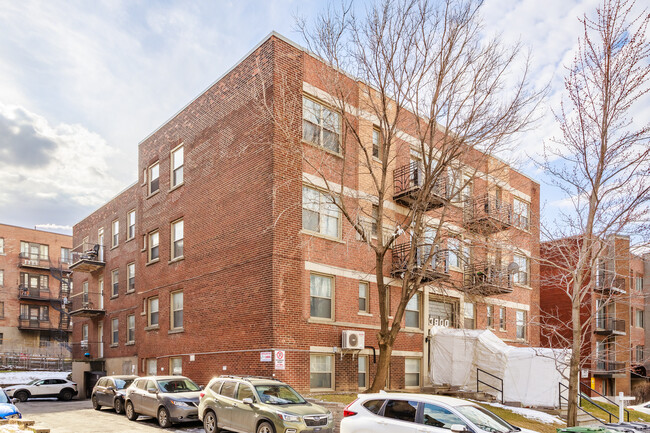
<point>82,83</point>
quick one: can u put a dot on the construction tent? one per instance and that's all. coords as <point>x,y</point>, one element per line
<point>530,376</point>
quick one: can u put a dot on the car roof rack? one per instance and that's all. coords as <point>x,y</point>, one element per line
<point>232,376</point>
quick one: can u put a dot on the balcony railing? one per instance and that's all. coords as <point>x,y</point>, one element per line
<point>34,324</point>
<point>88,257</point>
<point>85,305</point>
<point>36,293</point>
<point>436,269</point>
<point>487,214</point>
<point>487,279</point>
<point>408,180</point>
<point>606,325</point>
<point>87,350</point>
<point>37,261</point>
<point>604,366</point>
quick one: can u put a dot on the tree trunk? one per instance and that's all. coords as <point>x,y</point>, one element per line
<point>385,351</point>
<point>574,365</point>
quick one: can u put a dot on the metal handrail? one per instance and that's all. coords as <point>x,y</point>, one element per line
<point>478,381</point>
<point>627,412</point>
<point>584,396</point>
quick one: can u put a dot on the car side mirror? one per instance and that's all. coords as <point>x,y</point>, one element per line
<point>111,388</point>
<point>14,400</point>
<point>201,387</point>
<point>458,428</point>
<point>247,400</point>
<point>152,391</point>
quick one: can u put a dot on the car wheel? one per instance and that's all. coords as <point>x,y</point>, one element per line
<point>119,405</point>
<point>264,427</point>
<point>130,411</point>
<point>65,395</point>
<point>210,422</point>
<point>163,418</point>
<point>21,395</point>
<point>96,405</point>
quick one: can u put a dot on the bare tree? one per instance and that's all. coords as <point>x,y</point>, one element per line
<point>601,161</point>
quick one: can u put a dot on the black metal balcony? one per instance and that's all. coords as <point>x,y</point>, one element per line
<point>606,325</point>
<point>88,257</point>
<point>487,215</point>
<point>437,269</point>
<point>408,181</point>
<point>487,279</point>
<point>34,293</point>
<point>85,305</point>
<point>26,323</point>
<point>607,368</point>
<point>34,261</point>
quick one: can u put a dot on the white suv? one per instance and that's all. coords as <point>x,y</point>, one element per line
<point>410,413</point>
<point>60,388</point>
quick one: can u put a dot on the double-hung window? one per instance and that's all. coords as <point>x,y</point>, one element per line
<point>320,125</point>
<point>115,331</point>
<point>470,310</point>
<point>130,271</point>
<point>362,373</point>
<point>320,372</point>
<point>376,143</point>
<point>153,311</point>
<point>154,239</point>
<point>177,161</point>
<point>2,245</point>
<point>177,239</point>
<point>320,213</point>
<point>130,220</point>
<point>412,372</point>
<point>321,290</point>
<point>502,318</point>
<point>176,310</point>
<point>521,211</point>
<point>412,313</point>
<point>154,178</point>
<point>130,328</point>
<point>520,318</point>
<point>490,316</point>
<point>115,282</point>
<point>116,233</point>
<point>363,297</point>
<point>521,276</point>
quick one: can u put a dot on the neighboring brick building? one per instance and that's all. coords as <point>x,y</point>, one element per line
<point>614,338</point>
<point>213,257</point>
<point>34,278</point>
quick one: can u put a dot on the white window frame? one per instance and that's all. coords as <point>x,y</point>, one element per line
<point>150,311</point>
<point>130,328</point>
<point>172,309</point>
<point>503,318</point>
<point>522,277</point>
<point>115,331</point>
<point>363,360</point>
<point>331,372</point>
<point>331,297</point>
<point>2,277</point>
<point>414,301</point>
<point>172,367</point>
<point>151,246</point>
<point>115,233</point>
<point>150,177</point>
<point>638,319</point>
<point>489,313</point>
<point>174,240</point>
<point>336,129</point>
<point>115,283</point>
<point>326,208</point>
<point>2,245</point>
<point>376,143</point>
<point>174,168</point>
<point>130,221</point>
<point>521,213</point>
<point>366,298</point>
<point>152,367</point>
<point>130,275</point>
<point>469,307</point>
<point>520,324</point>
<point>408,364</point>
<point>84,332</point>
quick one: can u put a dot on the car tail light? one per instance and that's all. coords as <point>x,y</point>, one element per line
<point>202,394</point>
<point>346,412</point>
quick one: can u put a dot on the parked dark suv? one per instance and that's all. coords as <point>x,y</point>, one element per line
<point>110,391</point>
<point>171,399</point>
<point>261,405</point>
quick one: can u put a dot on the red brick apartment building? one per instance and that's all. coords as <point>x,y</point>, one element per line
<point>34,278</point>
<point>205,262</point>
<point>613,358</point>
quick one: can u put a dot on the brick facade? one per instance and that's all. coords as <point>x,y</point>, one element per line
<point>31,296</point>
<point>247,261</point>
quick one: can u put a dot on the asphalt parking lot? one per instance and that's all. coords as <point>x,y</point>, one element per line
<point>78,416</point>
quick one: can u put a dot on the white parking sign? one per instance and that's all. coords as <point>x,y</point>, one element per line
<point>279,359</point>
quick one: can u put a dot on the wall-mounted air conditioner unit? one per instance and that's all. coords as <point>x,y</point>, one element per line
<point>353,340</point>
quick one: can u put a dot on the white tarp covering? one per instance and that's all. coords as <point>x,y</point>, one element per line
<point>530,375</point>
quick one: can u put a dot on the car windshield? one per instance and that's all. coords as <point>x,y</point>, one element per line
<point>177,385</point>
<point>122,383</point>
<point>33,381</point>
<point>278,394</point>
<point>3,397</point>
<point>485,420</point>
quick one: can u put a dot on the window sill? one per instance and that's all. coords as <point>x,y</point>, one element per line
<point>374,158</point>
<point>363,313</point>
<point>130,343</point>
<point>114,246</point>
<point>151,262</point>
<point>177,259</point>
<point>320,320</point>
<point>324,149</point>
<point>175,187</point>
<point>523,286</point>
<point>152,328</point>
<point>322,236</point>
<point>176,331</point>
<point>152,194</point>
<point>129,239</point>
<point>128,292</point>
<point>413,330</point>
<point>321,389</point>
<point>114,296</point>
<point>114,345</point>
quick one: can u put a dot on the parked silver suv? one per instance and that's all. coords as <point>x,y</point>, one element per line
<point>171,399</point>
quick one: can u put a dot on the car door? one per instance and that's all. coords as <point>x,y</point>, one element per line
<point>100,391</point>
<point>437,419</point>
<point>226,399</point>
<point>135,394</point>
<point>243,415</point>
<point>399,416</point>
<point>150,399</point>
<point>43,388</point>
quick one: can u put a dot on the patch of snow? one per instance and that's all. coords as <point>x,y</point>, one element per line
<point>16,377</point>
<point>533,414</point>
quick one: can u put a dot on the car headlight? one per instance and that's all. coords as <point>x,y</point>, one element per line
<point>289,417</point>
<point>330,417</point>
<point>179,403</point>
